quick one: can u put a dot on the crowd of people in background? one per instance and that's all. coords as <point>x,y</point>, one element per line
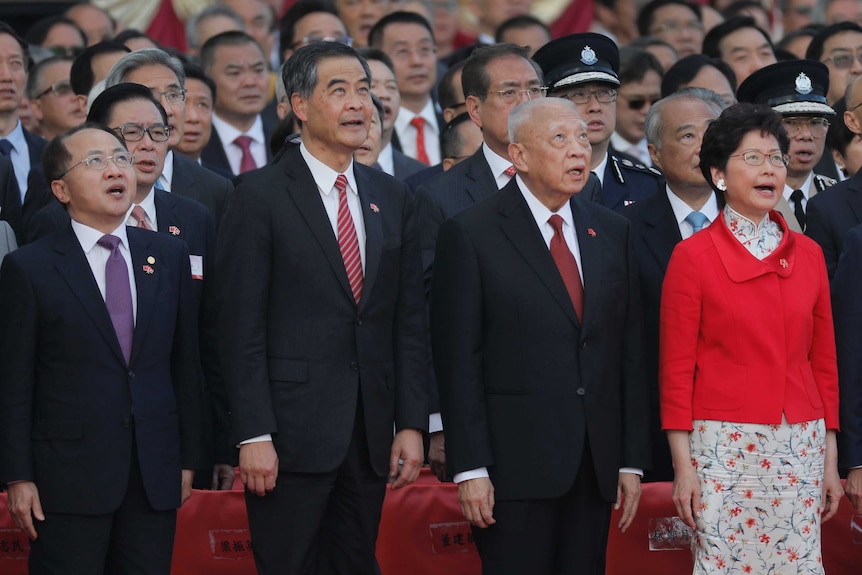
<point>558,249</point>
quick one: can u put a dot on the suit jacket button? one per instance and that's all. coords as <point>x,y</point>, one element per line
<point>359,321</point>
<point>127,422</point>
<point>580,391</point>
<point>131,374</point>
<point>584,344</point>
<point>354,366</point>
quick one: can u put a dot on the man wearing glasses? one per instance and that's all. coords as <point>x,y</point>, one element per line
<point>677,22</point>
<point>796,90</point>
<point>100,393</point>
<point>54,104</point>
<point>310,21</point>
<point>583,68</point>
<point>640,78</point>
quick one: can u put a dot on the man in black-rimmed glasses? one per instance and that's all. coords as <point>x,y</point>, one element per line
<point>52,100</point>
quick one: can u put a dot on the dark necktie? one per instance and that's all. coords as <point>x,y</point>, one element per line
<point>567,265</point>
<point>118,294</point>
<point>6,148</point>
<point>247,162</point>
<point>421,154</point>
<point>697,220</point>
<point>796,197</point>
<point>348,243</point>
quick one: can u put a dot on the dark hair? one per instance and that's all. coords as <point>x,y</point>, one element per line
<point>647,41</point>
<point>792,36</point>
<point>378,106</point>
<point>34,76</point>
<point>635,63</point>
<point>647,13</point>
<point>815,49</point>
<point>296,13</point>
<point>739,7</point>
<point>377,54</point>
<point>685,69</point>
<point>451,143</point>
<point>299,73</point>
<point>195,72</point>
<point>25,51</point>
<point>131,34</point>
<point>839,135</point>
<point>474,78</point>
<point>56,157</point>
<point>229,38</point>
<point>447,93</point>
<point>37,33</point>
<point>375,35</point>
<point>81,76</point>
<point>724,134</point>
<point>103,106</point>
<point>519,22</point>
<point>712,41</point>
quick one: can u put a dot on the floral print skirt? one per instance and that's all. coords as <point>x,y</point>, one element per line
<point>760,497</point>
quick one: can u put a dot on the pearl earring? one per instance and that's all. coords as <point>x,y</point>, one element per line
<point>721,185</point>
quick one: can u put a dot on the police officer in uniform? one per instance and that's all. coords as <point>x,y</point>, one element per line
<point>584,69</point>
<point>797,90</point>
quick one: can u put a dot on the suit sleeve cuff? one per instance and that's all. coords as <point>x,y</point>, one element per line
<point>435,423</point>
<point>258,439</point>
<point>472,474</point>
<point>634,470</point>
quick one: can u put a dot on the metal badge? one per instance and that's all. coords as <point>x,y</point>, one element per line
<point>588,56</point>
<point>803,83</point>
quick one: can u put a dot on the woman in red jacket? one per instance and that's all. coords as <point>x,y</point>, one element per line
<point>749,384</point>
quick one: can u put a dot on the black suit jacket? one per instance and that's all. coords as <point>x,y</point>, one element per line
<point>405,166</point>
<point>299,351</point>
<point>523,383</point>
<point>214,154</point>
<point>829,216</point>
<point>192,180</point>
<point>38,192</point>
<point>70,405</point>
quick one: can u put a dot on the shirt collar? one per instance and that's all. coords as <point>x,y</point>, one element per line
<point>228,133</point>
<point>497,163</point>
<point>600,170</point>
<point>386,160</point>
<point>681,210</point>
<point>17,139</point>
<point>148,204</point>
<point>806,186</point>
<point>324,176</point>
<point>427,113</point>
<point>88,236</point>
<point>540,211</point>
<point>167,175</point>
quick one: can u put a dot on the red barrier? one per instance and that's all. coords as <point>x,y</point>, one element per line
<point>422,533</point>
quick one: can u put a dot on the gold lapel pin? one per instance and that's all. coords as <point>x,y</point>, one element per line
<point>151,260</point>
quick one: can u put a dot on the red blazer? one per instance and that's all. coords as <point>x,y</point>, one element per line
<point>746,340</point>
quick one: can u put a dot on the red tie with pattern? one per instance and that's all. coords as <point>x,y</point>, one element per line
<point>510,171</point>
<point>347,240</point>
<point>567,265</point>
<point>421,154</point>
<point>140,216</point>
<point>247,162</point>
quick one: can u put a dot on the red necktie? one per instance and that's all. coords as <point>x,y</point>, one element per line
<point>567,265</point>
<point>347,241</point>
<point>140,216</point>
<point>510,171</point>
<point>421,154</point>
<point>247,162</point>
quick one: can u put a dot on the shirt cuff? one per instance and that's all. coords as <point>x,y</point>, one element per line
<point>258,439</point>
<point>472,474</point>
<point>634,470</point>
<point>435,423</point>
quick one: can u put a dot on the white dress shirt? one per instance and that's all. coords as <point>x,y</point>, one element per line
<point>599,172</point>
<point>97,256</point>
<point>149,206</point>
<point>498,165</point>
<point>407,132</point>
<point>20,157</point>
<point>386,160</point>
<point>806,190</point>
<point>228,134</point>
<point>681,210</point>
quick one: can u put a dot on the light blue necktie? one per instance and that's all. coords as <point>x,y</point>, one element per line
<point>697,220</point>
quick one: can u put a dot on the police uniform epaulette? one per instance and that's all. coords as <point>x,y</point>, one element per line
<point>823,182</point>
<point>620,164</point>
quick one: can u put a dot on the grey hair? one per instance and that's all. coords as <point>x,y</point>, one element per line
<point>280,89</point>
<point>523,112</point>
<point>192,36</point>
<point>653,125</point>
<point>299,72</point>
<point>146,57</point>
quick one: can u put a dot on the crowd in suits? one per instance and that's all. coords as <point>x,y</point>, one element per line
<point>324,391</point>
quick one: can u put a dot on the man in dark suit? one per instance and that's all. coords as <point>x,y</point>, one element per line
<point>164,75</point>
<point>322,286</point>
<point>541,373</point>
<point>674,128</point>
<point>100,393</point>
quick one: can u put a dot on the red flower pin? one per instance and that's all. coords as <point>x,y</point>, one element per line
<point>592,232</point>
<point>175,231</point>
<point>149,270</point>
<point>375,209</point>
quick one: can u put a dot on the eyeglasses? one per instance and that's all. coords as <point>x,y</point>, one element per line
<point>637,102</point>
<point>512,95</point>
<point>135,132</point>
<point>69,51</point>
<point>676,27</point>
<point>60,89</point>
<point>172,96</point>
<point>844,61</point>
<point>579,96</point>
<point>753,158</point>
<point>422,52</point>
<point>346,40</point>
<point>100,162</point>
<point>817,126</point>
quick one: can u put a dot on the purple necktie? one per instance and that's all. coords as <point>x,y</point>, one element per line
<point>118,294</point>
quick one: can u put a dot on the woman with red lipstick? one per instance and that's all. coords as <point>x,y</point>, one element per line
<point>748,377</point>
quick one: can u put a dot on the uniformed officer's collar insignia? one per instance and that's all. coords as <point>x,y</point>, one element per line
<point>588,56</point>
<point>803,83</point>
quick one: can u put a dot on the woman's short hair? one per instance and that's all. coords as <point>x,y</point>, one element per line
<point>724,134</point>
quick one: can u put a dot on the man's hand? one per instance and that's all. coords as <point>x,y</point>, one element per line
<point>853,488</point>
<point>406,448</point>
<point>628,495</point>
<point>437,455</point>
<point>476,497</point>
<point>24,504</point>
<point>223,477</point>
<point>188,479</point>
<point>258,466</point>
<point>686,495</point>
<point>832,492</point>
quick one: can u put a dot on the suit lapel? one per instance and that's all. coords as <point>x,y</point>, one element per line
<point>166,216</point>
<point>854,198</point>
<point>373,231</point>
<point>480,179</point>
<point>589,244</point>
<point>518,224</point>
<point>73,267</point>
<point>146,284</point>
<point>664,230</point>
